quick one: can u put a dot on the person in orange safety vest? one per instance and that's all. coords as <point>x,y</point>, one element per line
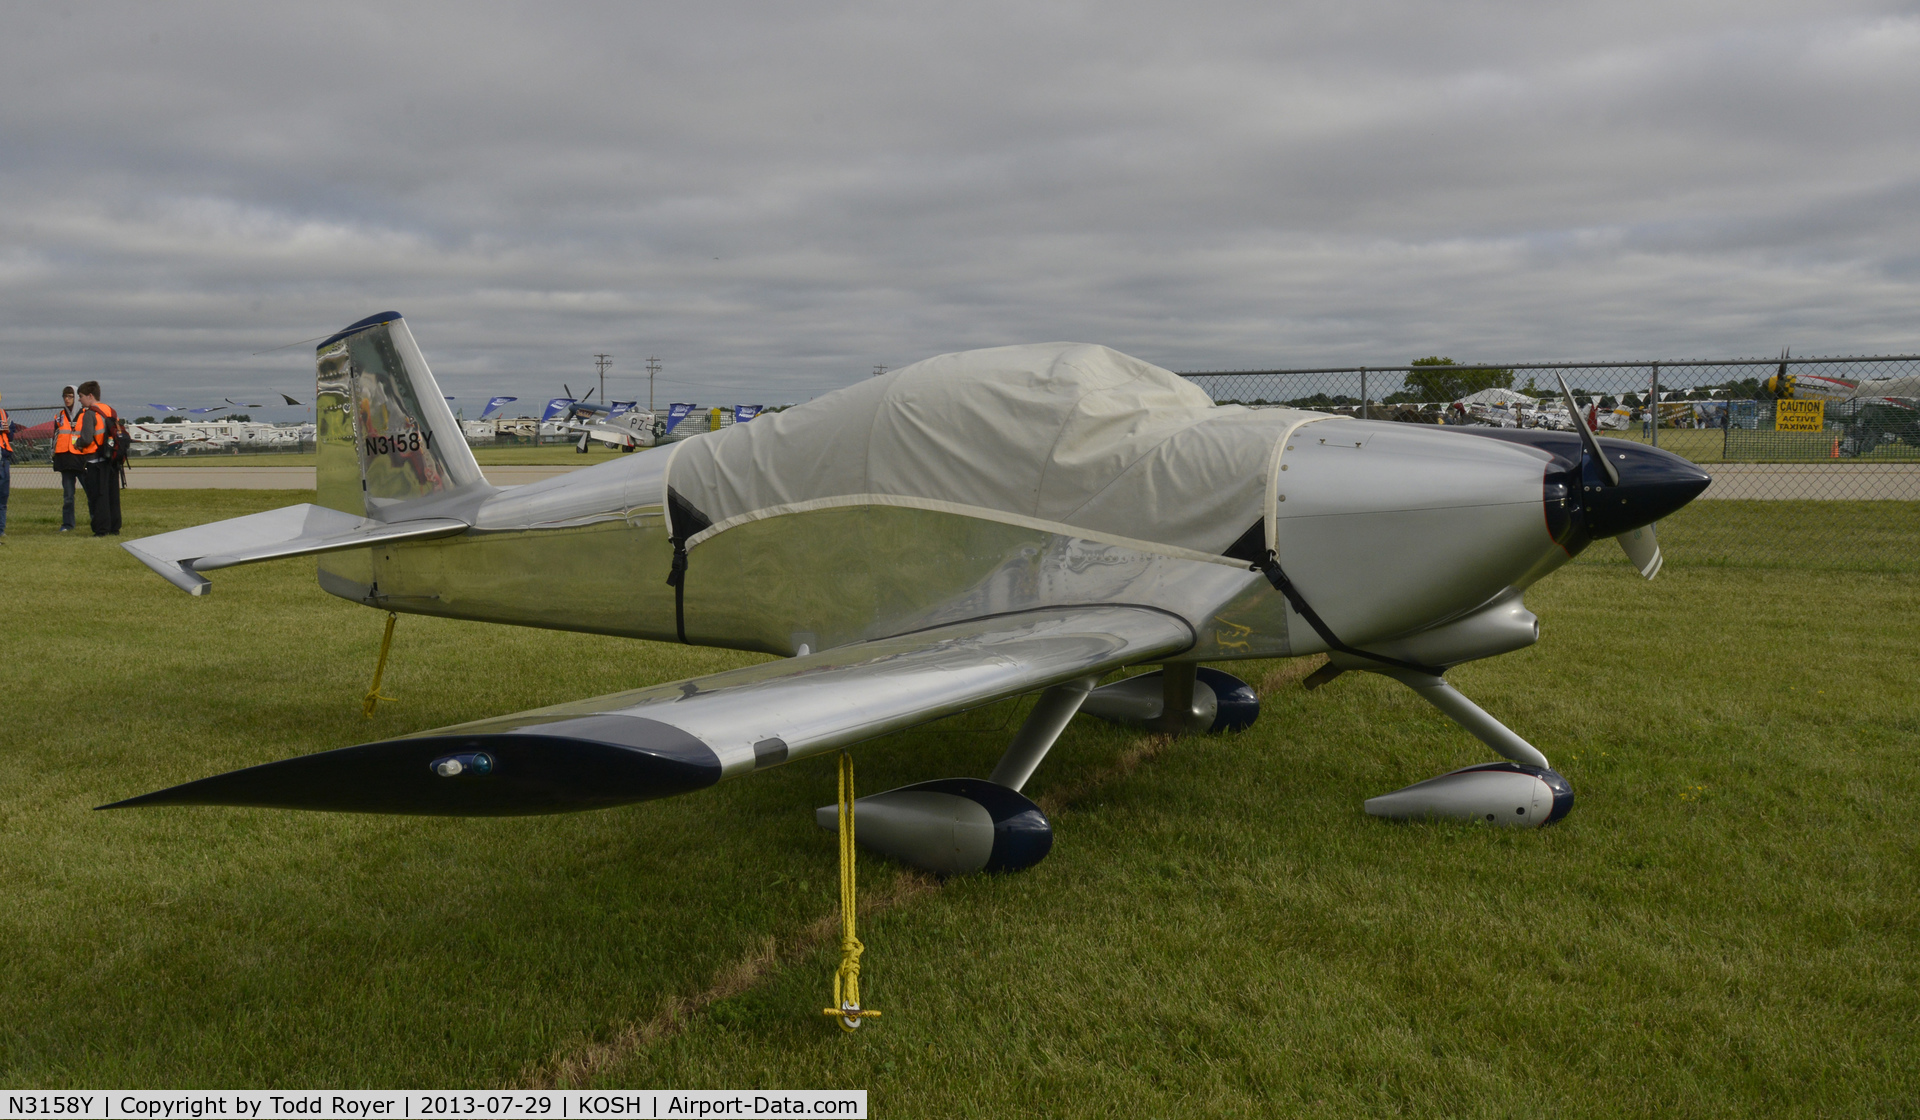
<point>6,467</point>
<point>64,460</point>
<point>94,443</point>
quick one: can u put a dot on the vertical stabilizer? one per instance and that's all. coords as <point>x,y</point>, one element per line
<point>385,434</point>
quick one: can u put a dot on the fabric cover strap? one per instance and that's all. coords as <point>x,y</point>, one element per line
<point>1270,566</point>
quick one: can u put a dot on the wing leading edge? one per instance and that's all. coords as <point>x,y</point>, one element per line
<point>669,739</point>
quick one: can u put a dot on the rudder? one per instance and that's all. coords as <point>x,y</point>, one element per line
<point>385,435</point>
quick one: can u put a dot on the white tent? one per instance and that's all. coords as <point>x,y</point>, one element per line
<point>1050,435</point>
<point>1499,398</point>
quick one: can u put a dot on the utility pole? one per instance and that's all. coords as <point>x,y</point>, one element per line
<point>653,367</point>
<point>878,370</point>
<point>601,362</point>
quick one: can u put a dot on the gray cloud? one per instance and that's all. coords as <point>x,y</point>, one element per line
<point>773,200</point>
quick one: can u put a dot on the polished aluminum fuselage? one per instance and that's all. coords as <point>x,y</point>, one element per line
<point>1390,529</point>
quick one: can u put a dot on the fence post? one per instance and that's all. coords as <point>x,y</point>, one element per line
<point>1363,393</point>
<point>1726,428</point>
<point>1655,428</point>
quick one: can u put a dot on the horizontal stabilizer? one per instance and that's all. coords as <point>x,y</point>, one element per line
<point>563,767</point>
<point>303,530</point>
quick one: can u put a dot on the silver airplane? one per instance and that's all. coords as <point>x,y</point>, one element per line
<point>972,528</point>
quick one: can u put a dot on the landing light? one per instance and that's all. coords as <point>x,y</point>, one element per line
<point>455,765</point>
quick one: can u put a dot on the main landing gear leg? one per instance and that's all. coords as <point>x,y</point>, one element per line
<point>1050,716</point>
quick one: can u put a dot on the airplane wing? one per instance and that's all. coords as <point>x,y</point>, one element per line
<point>668,739</point>
<point>607,434</point>
<point>302,530</point>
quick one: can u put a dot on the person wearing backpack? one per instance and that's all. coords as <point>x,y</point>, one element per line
<point>122,442</point>
<point>94,443</point>
<point>69,466</point>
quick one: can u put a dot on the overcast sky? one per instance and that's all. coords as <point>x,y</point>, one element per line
<point>775,198</point>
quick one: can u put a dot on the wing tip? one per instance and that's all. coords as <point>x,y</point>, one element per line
<point>524,775</point>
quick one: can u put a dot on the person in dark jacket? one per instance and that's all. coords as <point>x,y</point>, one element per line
<point>6,467</point>
<point>122,447</point>
<point>94,443</point>
<point>64,460</point>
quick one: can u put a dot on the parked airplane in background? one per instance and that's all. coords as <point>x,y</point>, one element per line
<point>1900,392</point>
<point>619,423</point>
<point>1504,408</point>
<point>965,530</point>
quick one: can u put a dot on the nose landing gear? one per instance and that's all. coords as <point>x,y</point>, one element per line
<point>1523,792</point>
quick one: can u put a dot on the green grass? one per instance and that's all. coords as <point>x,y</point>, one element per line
<point>1725,925</point>
<point>1808,536</point>
<point>1710,445</point>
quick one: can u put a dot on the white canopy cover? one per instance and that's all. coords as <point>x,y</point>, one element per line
<point>1052,435</point>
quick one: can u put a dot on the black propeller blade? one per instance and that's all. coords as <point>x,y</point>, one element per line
<point>1587,439</point>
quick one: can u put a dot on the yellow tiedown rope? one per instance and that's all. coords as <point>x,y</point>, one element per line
<point>374,695</point>
<point>846,982</point>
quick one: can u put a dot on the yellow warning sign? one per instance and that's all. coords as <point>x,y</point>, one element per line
<point>1799,416</point>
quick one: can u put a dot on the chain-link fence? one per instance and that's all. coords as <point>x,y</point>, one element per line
<point>1820,433</point>
<point>1815,461</point>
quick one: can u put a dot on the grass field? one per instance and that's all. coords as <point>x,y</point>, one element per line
<point>1710,445</point>
<point>1726,925</point>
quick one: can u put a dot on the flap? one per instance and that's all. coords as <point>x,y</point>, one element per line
<point>655,742</point>
<point>302,530</point>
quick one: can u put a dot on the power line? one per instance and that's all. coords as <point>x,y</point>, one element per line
<point>601,362</point>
